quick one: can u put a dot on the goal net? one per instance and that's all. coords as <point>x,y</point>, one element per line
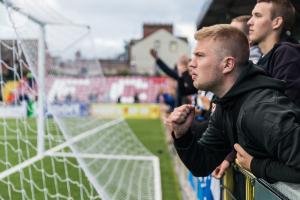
<point>51,146</point>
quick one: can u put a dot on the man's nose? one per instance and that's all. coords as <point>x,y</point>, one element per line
<point>249,23</point>
<point>191,64</point>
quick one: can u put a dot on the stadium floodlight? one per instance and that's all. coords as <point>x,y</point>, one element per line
<point>61,152</point>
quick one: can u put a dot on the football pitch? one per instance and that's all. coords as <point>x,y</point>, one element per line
<point>58,177</point>
<point>151,134</point>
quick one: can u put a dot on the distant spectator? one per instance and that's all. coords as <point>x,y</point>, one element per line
<point>56,100</point>
<point>7,72</point>
<point>93,98</point>
<point>23,97</point>
<point>1,97</point>
<point>68,98</point>
<point>30,78</point>
<point>11,98</point>
<point>167,99</point>
<point>184,81</point>
<point>119,99</point>
<point>136,98</point>
<point>203,105</point>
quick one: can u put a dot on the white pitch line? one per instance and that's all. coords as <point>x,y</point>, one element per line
<point>11,137</point>
<point>104,156</point>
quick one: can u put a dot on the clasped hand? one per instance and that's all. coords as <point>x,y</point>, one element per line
<point>180,120</point>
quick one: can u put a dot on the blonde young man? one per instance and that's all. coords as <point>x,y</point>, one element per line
<point>252,114</point>
<point>268,25</point>
<point>240,23</point>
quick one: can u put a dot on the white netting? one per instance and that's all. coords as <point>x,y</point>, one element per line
<point>84,157</point>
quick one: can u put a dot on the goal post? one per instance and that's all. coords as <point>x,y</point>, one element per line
<point>41,90</point>
<point>62,152</point>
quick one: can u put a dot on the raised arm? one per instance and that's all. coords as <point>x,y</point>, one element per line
<point>163,66</point>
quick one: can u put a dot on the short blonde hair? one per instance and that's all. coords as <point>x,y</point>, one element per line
<point>232,41</point>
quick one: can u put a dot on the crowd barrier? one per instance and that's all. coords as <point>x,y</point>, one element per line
<point>237,184</point>
<point>106,111</point>
<point>69,110</point>
<point>248,187</point>
<point>127,111</point>
<point>13,111</point>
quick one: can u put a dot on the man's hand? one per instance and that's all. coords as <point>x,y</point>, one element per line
<point>220,170</point>
<point>180,120</point>
<point>243,158</point>
<point>153,53</point>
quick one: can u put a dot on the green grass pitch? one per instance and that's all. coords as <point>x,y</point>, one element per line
<point>150,132</point>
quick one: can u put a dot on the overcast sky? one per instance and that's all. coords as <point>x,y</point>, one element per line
<point>112,22</point>
<point>116,21</point>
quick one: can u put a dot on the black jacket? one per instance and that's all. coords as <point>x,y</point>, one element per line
<point>184,83</point>
<point>283,62</point>
<point>256,114</point>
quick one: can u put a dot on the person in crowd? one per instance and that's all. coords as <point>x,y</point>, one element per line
<point>7,73</point>
<point>167,99</point>
<point>270,24</point>
<point>136,98</point>
<point>203,105</point>
<point>1,97</point>
<point>252,114</point>
<point>269,27</point>
<point>185,85</point>
<point>119,99</point>
<point>11,98</point>
<point>240,22</point>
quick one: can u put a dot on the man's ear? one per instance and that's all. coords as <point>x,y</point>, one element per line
<point>229,64</point>
<point>277,22</point>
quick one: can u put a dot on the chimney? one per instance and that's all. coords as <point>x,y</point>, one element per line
<point>151,28</point>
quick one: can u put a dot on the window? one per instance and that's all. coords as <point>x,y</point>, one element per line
<point>156,45</point>
<point>173,46</point>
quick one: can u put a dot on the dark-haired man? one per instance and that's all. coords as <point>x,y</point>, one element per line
<point>269,27</point>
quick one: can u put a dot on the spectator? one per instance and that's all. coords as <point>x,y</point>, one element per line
<point>281,59</point>
<point>252,114</point>
<point>93,98</point>
<point>119,99</point>
<point>56,100</point>
<point>11,98</point>
<point>184,81</point>
<point>167,99</point>
<point>240,22</point>
<point>203,105</point>
<point>69,98</point>
<point>136,98</point>
<point>270,22</point>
